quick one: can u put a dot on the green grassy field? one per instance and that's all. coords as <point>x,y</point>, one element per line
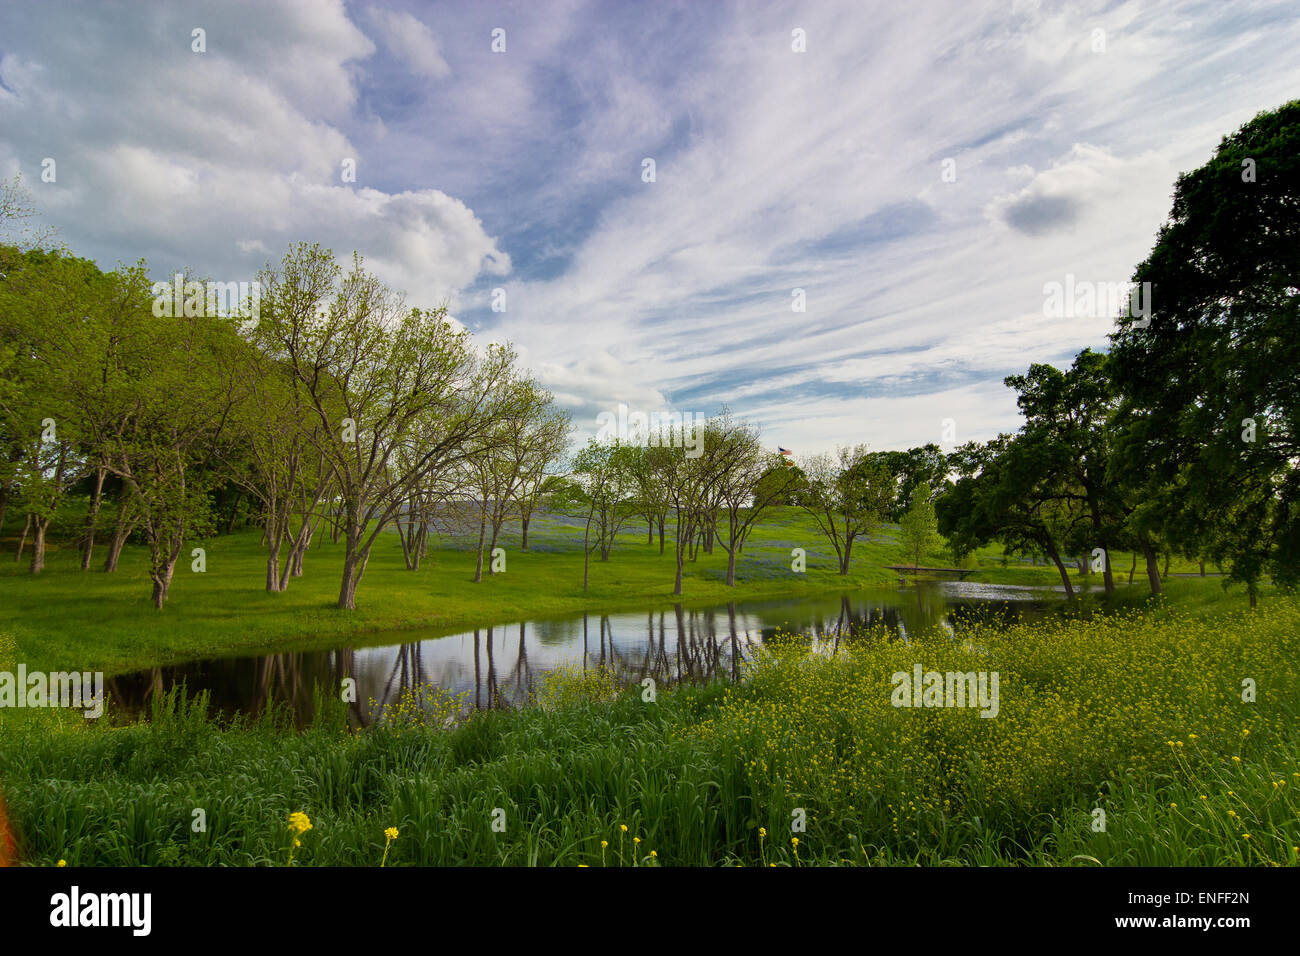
<point>66,618</point>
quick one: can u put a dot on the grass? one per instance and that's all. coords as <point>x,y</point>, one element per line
<point>1139,715</point>
<point>66,618</point>
<point>1125,706</point>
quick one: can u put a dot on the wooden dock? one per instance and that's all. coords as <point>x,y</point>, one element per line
<point>909,569</point>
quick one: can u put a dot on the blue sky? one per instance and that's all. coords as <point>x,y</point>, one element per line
<point>775,170</point>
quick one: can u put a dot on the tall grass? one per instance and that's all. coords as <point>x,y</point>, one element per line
<point>1140,716</point>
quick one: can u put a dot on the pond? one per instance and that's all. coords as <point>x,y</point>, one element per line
<point>491,667</point>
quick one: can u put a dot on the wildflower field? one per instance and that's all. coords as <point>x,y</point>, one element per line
<point>1142,738</point>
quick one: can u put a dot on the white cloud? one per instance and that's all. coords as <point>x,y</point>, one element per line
<point>1066,164</point>
<point>182,156</point>
<point>411,41</point>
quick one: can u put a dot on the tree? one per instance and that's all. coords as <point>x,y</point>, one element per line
<point>847,495</point>
<point>534,490</point>
<point>1069,414</point>
<point>925,464</point>
<point>1007,493</point>
<point>529,435</point>
<point>54,313</point>
<point>380,377</point>
<point>918,528</point>
<point>602,491</point>
<point>281,463</point>
<point>1211,399</point>
<point>691,481</point>
<point>544,448</point>
<point>751,480</point>
<point>649,465</point>
<point>171,426</point>
<point>16,210</point>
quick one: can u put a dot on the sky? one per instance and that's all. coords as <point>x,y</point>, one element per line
<point>921,170</point>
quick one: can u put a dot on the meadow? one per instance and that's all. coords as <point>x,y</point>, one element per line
<point>66,618</point>
<point>1122,736</point>
<point>1138,716</point>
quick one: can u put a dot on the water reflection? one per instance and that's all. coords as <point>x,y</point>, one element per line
<point>499,666</point>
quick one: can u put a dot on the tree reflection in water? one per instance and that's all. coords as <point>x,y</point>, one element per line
<point>692,645</point>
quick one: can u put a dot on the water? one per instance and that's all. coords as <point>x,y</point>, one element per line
<point>497,666</point>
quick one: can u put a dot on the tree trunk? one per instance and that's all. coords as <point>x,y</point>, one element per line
<point>1153,572</point>
<point>162,580</point>
<point>92,519</point>
<point>844,558</point>
<point>679,552</point>
<point>352,568</point>
<point>482,539</point>
<point>731,567</point>
<point>311,534</point>
<point>293,563</point>
<point>1060,567</point>
<point>586,559</point>
<point>402,538</point>
<point>234,510</point>
<point>273,570</point>
<point>1165,572</point>
<point>38,545</point>
<point>661,535</point>
<point>22,541</point>
<point>1202,567</point>
<point>1133,567</point>
<point>524,522</point>
<point>492,546</point>
<point>120,533</point>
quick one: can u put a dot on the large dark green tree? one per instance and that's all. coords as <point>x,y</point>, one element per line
<point>1210,384</point>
